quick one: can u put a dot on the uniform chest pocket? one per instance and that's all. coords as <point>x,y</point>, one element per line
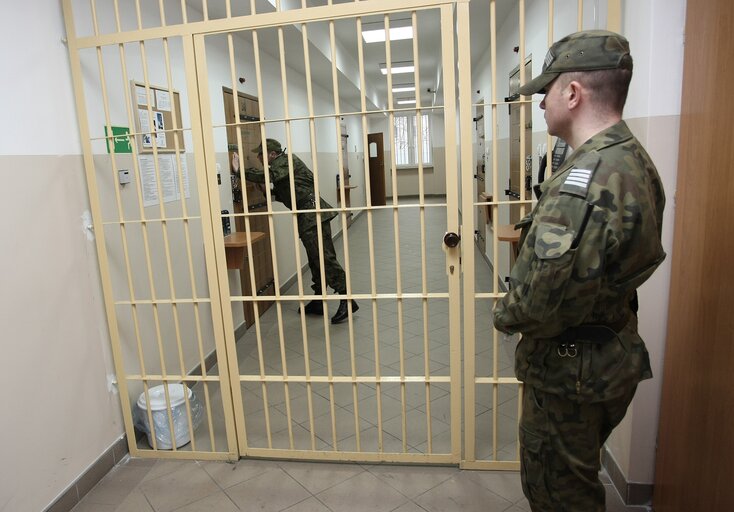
<point>554,257</point>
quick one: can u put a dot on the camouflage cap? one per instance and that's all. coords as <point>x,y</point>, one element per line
<point>589,50</point>
<point>272,144</point>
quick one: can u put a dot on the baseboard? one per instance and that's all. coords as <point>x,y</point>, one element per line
<point>632,493</point>
<point>87,480</point>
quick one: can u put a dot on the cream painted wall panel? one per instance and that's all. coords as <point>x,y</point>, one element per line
<point>636,454</point>
<point>59,414</point>
<point>62,416</point>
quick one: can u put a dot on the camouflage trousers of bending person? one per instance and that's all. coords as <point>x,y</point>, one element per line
<point>560,443</point>
<point>335,276</point>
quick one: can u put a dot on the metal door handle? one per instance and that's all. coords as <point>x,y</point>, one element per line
<point>451,239</point>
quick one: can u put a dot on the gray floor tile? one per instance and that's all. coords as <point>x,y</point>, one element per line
<point>218,502</point>
<point>86,506</point>
<point>369,442</point>
<point>270,492</point>
<point>362,493</point>
<point>461,494</point>
<point>410,507</point>
<point>503,483</point>
<point>416,427</point>
<point>317,477</point>
<point>116,485</point>
<point>181,487</point>
<point>227,474</point>
<point>309,505</point>
<point>412,481</point>
<point>135,502</point>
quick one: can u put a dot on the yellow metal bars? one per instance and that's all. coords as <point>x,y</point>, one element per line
<point>263,139</point>
<point>165,342</point>
<point>95,207</point>
<point>421,202</point>
<point>345,234</point>
<point>195,58</point>
<point>162,221</point>
<point>396,227</point>
<point>279,309</point>
<point>370,236</point>
<point>452,224</point>
<point>306,351</point>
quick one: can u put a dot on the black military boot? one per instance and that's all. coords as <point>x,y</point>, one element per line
<point>315,307</point>
<point>343,312</point>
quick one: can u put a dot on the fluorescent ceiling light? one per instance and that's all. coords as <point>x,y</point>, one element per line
<point>406,102</point>
<point>397,68</point>
<point>403,88</point>
<point>378,35</point>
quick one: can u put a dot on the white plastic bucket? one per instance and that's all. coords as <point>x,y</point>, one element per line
<point>159,412</point>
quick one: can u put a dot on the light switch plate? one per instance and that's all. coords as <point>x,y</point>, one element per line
<point>124,175</point>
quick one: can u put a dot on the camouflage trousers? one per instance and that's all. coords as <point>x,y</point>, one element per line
<point>335,276</point>
<point>560,443</point>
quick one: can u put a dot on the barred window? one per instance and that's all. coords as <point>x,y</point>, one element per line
<point>407,142</point>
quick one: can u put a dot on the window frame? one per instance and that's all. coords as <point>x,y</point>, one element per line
<point>411,127</point>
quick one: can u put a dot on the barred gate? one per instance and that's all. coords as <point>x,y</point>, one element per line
<point>204,277</point>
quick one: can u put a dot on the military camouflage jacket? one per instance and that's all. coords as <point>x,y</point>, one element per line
<point>591,240</point>
<point>281,189</point>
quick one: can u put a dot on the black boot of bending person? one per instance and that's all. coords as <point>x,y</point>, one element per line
<point>315,307</point>
<point>343,312</point>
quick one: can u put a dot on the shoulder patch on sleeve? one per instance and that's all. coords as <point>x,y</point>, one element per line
<point>579,178</point>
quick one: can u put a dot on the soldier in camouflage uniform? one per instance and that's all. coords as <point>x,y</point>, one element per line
<point>307,223</point>
<point>591,240</point>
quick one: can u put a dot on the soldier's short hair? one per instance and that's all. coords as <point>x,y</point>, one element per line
<point>608,87</point>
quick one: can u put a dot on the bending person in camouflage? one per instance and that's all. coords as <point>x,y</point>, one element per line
<point>307,223</point>
<point>591,240</point>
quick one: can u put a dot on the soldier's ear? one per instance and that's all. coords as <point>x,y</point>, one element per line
<point>573,94</point>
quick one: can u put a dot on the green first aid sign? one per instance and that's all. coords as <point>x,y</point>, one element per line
<point>121,139</point>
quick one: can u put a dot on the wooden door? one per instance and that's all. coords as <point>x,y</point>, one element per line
<point>249,111</point>
<point>695,455</point>
<point>377,169</point>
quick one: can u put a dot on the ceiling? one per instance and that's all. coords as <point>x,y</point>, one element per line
<point>428,42</point>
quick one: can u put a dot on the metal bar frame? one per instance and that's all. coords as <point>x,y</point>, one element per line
<point>459,262</point>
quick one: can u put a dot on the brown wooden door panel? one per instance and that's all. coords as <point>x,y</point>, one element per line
<point>695,456</point>
<point>377,169</point>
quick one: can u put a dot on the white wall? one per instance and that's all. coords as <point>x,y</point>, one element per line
<point>58,415</point>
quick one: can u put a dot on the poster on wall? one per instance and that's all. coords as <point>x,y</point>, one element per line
<point>171,184</point>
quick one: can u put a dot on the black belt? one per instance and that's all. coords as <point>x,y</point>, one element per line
<point>595,333</point>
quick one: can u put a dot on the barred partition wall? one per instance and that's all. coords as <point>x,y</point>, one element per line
<point>492,395</point>
<point>386,385</point>
<point>305,388</point>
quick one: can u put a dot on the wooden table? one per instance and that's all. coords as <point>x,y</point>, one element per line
<point>508,233</point>
<point>235,246</point>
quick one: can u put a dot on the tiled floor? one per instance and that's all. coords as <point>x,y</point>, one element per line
<point>147,485</point>
<point>144,485</point>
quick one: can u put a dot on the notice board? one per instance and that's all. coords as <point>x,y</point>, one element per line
<point>154,123</point>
